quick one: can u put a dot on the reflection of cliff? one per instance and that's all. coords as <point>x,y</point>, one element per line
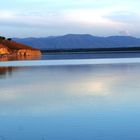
<point>11,48</point>
<point>5,71</point>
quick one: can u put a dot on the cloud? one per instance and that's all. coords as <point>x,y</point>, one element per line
<point>124,17</point>
<point>66,21</point>
<point>6,14</point>
<point>10,18</point>
<point>65,16</point>
<point>88,17</point>
<point>83,20</point>
<point>124,33</point>
<point>83,17</point>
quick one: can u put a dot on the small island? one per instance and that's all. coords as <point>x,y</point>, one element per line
<point>8,47</point>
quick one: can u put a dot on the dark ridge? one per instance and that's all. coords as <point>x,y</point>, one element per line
<point>78,41</point>
<point>121,49</point>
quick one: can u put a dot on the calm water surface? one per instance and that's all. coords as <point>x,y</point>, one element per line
<point>95,55</point>
<point>83,102</point>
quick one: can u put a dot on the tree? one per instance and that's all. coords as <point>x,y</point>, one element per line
<point>9,39</point>
<point>2,38</point>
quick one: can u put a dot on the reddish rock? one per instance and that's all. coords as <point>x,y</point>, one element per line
<point>8,47</point>
<point>4,50</point>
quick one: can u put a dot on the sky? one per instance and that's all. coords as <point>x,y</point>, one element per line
<point>41,18</point>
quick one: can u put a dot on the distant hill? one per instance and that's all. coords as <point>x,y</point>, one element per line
<point>75,41</point>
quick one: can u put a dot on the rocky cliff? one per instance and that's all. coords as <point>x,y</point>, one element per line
<point>9,47</point>
<point>4,49</point>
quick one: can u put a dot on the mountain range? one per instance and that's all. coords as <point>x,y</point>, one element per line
<point>77,41</point>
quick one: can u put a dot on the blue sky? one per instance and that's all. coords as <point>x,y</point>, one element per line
<point>39,18</point>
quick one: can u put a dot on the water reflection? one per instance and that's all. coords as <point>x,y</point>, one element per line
<point>71,102</point>
<point>55,88</point>
<point>6,71</point>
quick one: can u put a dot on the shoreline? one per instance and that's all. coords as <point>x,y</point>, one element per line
<point>88,52</point>
<point>72,55</point>
<point>91,50</point>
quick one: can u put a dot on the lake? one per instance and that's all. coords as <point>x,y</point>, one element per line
<point>95,55</point>
<point>70,102</point>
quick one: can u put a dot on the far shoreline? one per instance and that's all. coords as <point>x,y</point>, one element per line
<point>92,50</point>
<point>60,54</point>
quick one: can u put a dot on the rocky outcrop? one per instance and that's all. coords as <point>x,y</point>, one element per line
<point>4,50</point>
<point>27,52</point>
<point>9,47</point>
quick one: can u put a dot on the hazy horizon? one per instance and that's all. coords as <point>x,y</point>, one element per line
<point>41,18</point>
<point>47,36</point>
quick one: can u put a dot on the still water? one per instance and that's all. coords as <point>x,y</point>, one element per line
<point>83,102</point>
